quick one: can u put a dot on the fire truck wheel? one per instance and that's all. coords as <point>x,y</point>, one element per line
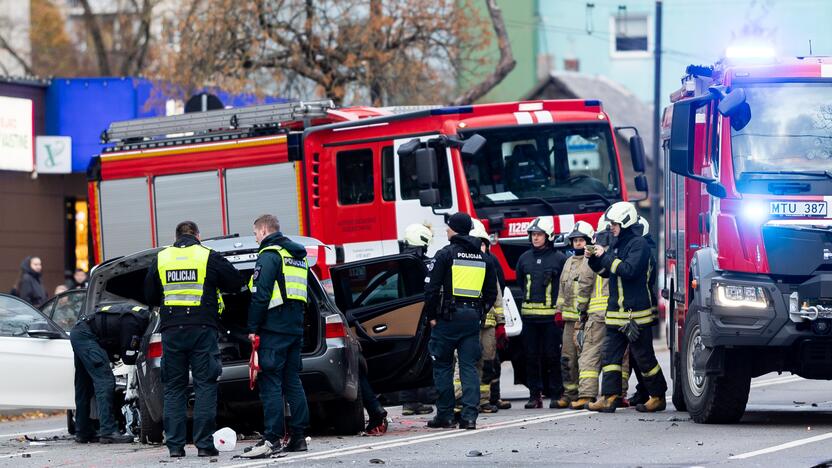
<point>678,397</point>
<point>711,399</point>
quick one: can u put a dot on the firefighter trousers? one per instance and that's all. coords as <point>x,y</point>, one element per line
<point>642,351</point>
<point>485,366</point>
<point>589,359</point>
<point>569,361</point>
<point>542,343</point>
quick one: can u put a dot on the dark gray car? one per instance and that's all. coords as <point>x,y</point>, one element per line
<point>382,296</point>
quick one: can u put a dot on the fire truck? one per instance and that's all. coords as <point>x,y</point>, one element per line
<point>748,233</point>
<point>356,177</point>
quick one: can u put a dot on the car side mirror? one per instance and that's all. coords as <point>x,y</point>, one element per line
<point>43,330</point>
<point>637,153</point>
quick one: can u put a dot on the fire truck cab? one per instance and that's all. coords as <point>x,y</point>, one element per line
<point>748,232</point>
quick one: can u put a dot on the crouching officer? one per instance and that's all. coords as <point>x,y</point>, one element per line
<point>629,312</point>
<point>185,280</point>
<point>460,288</point>
<point>114,332</point>
<point>278,301</point>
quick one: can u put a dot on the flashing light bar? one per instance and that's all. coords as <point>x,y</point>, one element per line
<point>749,52</point>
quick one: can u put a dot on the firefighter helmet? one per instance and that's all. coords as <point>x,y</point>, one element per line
<point>543,224</point>
<point>479,231</point>
<point>603,225</point>
<point>645,226</point>
<point>623,213</point>
<point>582,229</point>
<point>418,235</point>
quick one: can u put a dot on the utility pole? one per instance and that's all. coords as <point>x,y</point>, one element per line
<point>655,184</point>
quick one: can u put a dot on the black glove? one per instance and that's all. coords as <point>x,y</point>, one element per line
<point>630,330</point>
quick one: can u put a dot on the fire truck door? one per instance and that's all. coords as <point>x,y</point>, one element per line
<point>382,298</point>
<point>408,208</point>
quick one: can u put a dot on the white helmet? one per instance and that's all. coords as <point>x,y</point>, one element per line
<point>479,230</point>
<point>645,226</point>
<point>418,235</point>
<point>543,224</point>
<point>603,224</point>
<point>623,213</point>
<point>582,229</point>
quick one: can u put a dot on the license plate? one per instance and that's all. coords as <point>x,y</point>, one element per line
<point>796,208</point>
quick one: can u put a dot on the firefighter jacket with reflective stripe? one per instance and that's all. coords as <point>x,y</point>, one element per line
<point>459,274</point>
<point>495,315</point>
<point>599,297</point>
<point>651,280</point>
<point>278,286</point>
<point>627,264</point>
<point>538,275</point>
<point>172,280</point>
<point>576,282</point>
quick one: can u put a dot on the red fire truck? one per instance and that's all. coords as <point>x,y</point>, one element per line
<point>336,173</point>
<point>748,233</point>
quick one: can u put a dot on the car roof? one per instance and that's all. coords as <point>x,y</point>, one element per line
<point>241,243</point>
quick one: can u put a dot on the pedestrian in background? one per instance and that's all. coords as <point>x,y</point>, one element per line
<point>78,280</point>
<point>186,280</point>
<point>29,286</point>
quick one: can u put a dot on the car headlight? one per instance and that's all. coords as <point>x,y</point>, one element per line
<point>736,295</point>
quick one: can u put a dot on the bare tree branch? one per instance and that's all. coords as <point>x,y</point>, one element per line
<point>4,44</point>
<point>505,65</point>
<point>94,28</point>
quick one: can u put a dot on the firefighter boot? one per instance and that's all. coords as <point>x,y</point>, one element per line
<point>655,403</point>
<point>561,403</point>
<point>606,404</point>
<point>534,402</point>
<point>580,403</point>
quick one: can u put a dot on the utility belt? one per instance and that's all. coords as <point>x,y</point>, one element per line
<point>461,309</point>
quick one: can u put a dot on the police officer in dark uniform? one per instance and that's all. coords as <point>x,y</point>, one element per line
<point>629,311</point>
<point>112,333</point>
<point>185,280</point>
<point>460,288</point>
<point>538,275</point>
<point>278,301</point>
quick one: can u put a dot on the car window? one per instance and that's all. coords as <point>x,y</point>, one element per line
<point>376,283</point>
<point>68,307</point>
<point>17,316</point>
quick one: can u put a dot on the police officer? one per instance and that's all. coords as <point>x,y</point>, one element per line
<point>185,280</point>
<point>538,274</point>
<point>278,301</point>
<point>460,288</point>
<point>112,333</point>
<point>629,311</point>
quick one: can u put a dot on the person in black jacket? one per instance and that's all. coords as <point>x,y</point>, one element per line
<point>629,311</point>
<point>642,395</point>
<point>29,286</point>
<point>538,275</point>
<point>114,332</point>
<point>279,295</point>
<point>460,288</point>
<point>185,281</point>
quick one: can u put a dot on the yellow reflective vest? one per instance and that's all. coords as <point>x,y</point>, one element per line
<point>294,272</point>
<point>182,271</point>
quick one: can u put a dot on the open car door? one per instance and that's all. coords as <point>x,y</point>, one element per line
<point>36,360</point>
<point>382,298</point>
<point>65,308</point>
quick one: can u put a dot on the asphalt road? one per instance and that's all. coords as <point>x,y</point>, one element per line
<point>788,423</point>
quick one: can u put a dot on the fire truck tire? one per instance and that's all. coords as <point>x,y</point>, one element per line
<point>347,416</point>
<point>711,399</point>
<point>150,432</point>
<point>678,397</point>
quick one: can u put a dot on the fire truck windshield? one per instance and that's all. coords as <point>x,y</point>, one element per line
<point>789,133</point>
<point>549,162</point>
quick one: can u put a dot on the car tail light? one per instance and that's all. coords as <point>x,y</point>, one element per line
<point>154,348</point>
<point>335,327</point>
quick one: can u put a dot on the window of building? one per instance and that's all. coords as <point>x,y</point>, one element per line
<point>355,176</point>
<point>388,175</point>
<point>631,35</point>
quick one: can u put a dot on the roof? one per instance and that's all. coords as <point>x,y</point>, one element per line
<point>623,107</point>
<point>25,81</point>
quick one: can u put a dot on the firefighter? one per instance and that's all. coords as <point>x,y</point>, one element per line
<point>278,301</point>
<point>460,288</point>
<point>538,274</point>
<point>629,312</point>
<point>494,320</point>
<point>641,395</point>
<point>114,332</point>
<point>574,290</point>
<point>185,280</point>
<point>417,239</point>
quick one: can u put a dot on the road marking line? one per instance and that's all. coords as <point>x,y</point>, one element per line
<point>13,455</point>
<point>368,447</point>
<point>787,445</point>
<point>47,431</point>
<point>777,381</point>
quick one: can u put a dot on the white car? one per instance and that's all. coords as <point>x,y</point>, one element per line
<point>36,360</point>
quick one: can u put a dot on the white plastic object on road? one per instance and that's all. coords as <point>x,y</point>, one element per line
<point>514,325</point>
<point>225,439</point>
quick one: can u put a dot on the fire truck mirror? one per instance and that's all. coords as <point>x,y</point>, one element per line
<point>426,167</point>
<point>637,153</point>
<point>429,197</point>
<point>681,136</point>
<point>496,222</point>
<point>735,107</point>
<point>641,183</point>
<point>472,145</point>
<point>716,189</point>
<point>408,148</point>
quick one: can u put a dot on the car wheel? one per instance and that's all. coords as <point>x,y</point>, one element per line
<point>151,431</point>
<point>70,422</point>
<point>711,399</point>
<point>347,416</point>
